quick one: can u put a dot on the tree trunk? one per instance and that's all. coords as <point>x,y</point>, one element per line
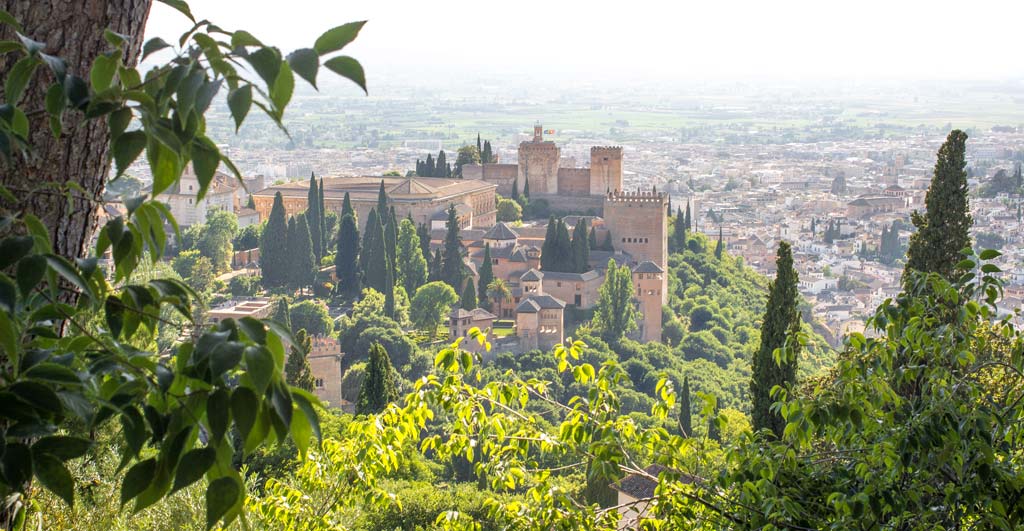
<point>72,30</point>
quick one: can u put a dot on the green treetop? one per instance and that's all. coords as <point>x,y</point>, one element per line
<point>720,246</point>
<point>580,248</point>
<point>412,266</point>
<point>304,264</point>
<point>346,258</point>
<point>313,217</point>
<point>296,369</point>
<point>486,274</point>
<point>685,413</point>
<point>375,257</point>
<point>616,314</point>
<point>451,263</point>
<point>273,246</point>
<point>468,299</point>
<point>378,388</point>
<point>391,239</point>
<point>943,230</point>
<point>429,306</point>
<point>781,318</point>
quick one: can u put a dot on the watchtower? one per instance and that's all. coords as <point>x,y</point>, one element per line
<point>605,169</point>
<point>538,163</point>
<point>638,224</point>
<point>649,285</point>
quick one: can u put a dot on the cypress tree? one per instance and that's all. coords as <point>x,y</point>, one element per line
<point>424,233</point>
<point>346,206</point>
<point>944,228</point>
<point>679,231</point>
<point>296,369</point>
<point>291,241</point>
<point>313,217</point>
<point>428,166</point>
<point>282,315</point>
<point>346,259</point>
<point>526,188</point>
<point>720,246</point>
<point>436,268</point>
<point>448,170</point>
<point>374,258</point>
<point>580,248</point>
<point>391,239</point>
<point>468,300</point>
<point>607,244</point>
<point>451,264</point>
<point>487,156</point>
<point>382,204</point>
<point>251,204</point>
<point>325,235</point>
<point>442,164</point>
<point>479,148</point>
<point>389,291</point>
<point>685,413</point>
<point>688,222</point>
<point>547,249</point>
<point>412,266</point>
<point>273,246</point>
<point>781,318</point>
<point>486,273</point>
<point>564,249</point>
<point>592,239</point>
<point>378,388</point>
<point>515,188</point>
<point>304,261</point>
<point>419,167</point>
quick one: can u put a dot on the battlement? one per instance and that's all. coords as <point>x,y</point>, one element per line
<point>614,150</point>
<point>640,197</point>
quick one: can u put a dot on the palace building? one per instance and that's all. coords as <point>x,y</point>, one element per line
<point>423,198</point>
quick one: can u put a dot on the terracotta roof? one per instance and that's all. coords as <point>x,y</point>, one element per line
<point>532,276</point>
<point>536,303</point>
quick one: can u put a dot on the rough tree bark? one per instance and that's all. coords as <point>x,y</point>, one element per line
<point>72,30</point>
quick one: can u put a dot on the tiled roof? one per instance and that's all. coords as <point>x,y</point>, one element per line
<point>648,266</point>
<point>501,231</point>
<point>571,277</point>
<point>532,276</point>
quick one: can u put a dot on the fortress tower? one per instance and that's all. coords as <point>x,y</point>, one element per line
<point>639,226</point>
<point>649,283</point>
<point>538,163</point>
<point>605,169</point>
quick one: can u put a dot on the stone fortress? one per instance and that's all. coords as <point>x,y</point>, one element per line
<point>539,164</point>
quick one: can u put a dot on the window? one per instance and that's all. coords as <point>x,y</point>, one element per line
<point>319,383</point>
<point>578,300</point>
<point>559,284</point>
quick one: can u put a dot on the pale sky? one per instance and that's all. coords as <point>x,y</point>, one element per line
<point>598,40</point>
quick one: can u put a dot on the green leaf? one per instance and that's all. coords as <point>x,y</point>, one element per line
<point>305,62</point>
<point>127,148</point>
<point>137,479</point>
<point>70,273</point>
<point>76,91</point>
<point>254,329</point>
<point>990,254</point>
<point>281,399</point>
<point>337,38</point>
<point>192,467</point>
<point>225,357</point>
<point>244,38</point>
<point>114,310</point>
<point>152,46</point>
<point>8,295</point>
<point>17,464</point>
<point>53,373</point>
<point>259,365</point>
<point>38,395</point>
<point>62,447</point>
<point>181,6</point>
<point>119,121</point>
<point>244,407</point>
<point>30,272</point>
<point>281,92</point>
<point>18,78</point>
<point>239,101</point>
<point>267,63</point>
<point>221,495</point>
<point>113,38</point>
<point>205,159</point>
<point>165,165</point>
<point>218,414</point>
<point>55,477</point>
<point>7,18</point>
<point>309,413</point>
<point>348,67</point>
<point>13,249</point>
<point>102,73</point>
<point>301,431</point>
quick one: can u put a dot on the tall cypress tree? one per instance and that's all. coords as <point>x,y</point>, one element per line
<point>436,268</point>
<point>291,241</point>
<point>479,148</point>
<point>374,258</point>
<point>296,369</point>
<point>273,246</point>
<point>382,203</point>
<point>688,221</point>
<point>526,188</point>
<point>720,246</point>
<point>378,388</point>
<point>451,263</point>
<point>389,291</point>
<point>580,248</point>
<point>781,318</point>
<point>486,274</point>
<point>685,413</point>
<point>325,235</point>
<point>428,166</point>
<point>346,259</point>
<point>944,229</point>
<point>442,165</point>
<point>487,156</point>
<point>592,239</point>
<point>679,230</point>
<point>304,261</point>
<point>468,300</point>
<point>412,265</point>
<point>564,249</point>
<point>548,254</point>
<point>424,233</point>
<point>282,315</point>
<point>313,217</point>
<point>515,188</point>
<point>391,239</point>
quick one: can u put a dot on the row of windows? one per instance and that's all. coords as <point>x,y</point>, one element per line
<point>634,240</point>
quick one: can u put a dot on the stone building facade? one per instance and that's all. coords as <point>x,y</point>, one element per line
<point>419,197</point>
<point>325,364</point>
<point>638,223</point>
<point>540,163</point>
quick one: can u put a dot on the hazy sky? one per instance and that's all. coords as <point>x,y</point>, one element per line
<point>681,39</point>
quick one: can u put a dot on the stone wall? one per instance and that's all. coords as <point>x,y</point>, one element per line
<point>605,169</point>
<point>538,162</point>
<point>639,226</point>
<point>574,181</point>
<point>502,175</point>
